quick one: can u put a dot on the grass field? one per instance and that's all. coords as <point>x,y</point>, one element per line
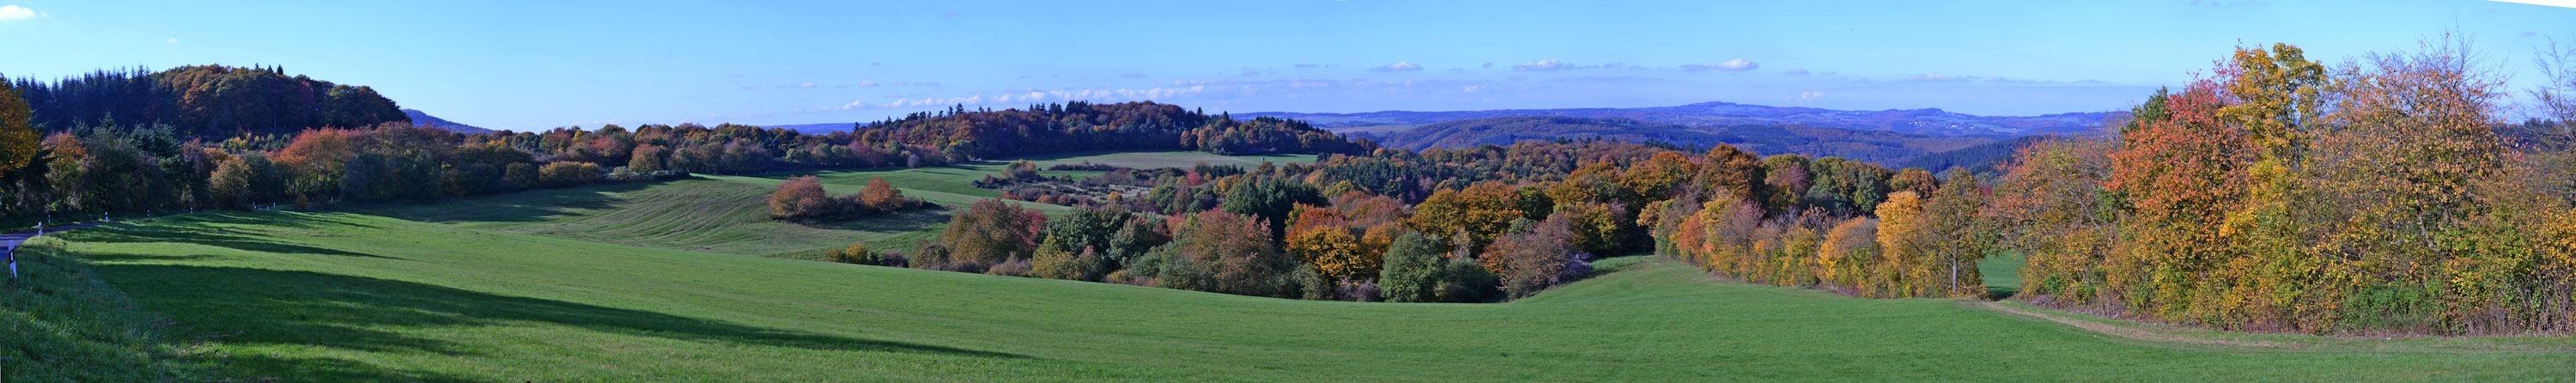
<point>356,296</point>
<point>729,214</point>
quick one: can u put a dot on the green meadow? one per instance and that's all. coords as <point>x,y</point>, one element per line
<point>685,280</point>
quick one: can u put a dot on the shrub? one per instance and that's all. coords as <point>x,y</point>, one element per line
<point>1357,291</point>
<point>1016,267</point>
<point>1466,281</point>
<point>1414,269</point>
<point>880,196</point>
<point>1310,285</point>
<point>568,174</point>
<point>1535,259</point>
<point>1054,261</point>
<point>1233,250</point>
<point>989,232</point>
<point>857,253</point>
<point>801,199</point>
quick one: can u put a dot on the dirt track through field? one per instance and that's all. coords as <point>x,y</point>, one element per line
<point>2128,331</point>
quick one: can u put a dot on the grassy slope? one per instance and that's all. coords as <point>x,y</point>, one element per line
<point>345,296</point>
<point>59,322</point>
<point>691,214</point>
<point>728,214</point>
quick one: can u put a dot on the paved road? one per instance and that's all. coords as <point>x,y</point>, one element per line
<point>24,235</point>
<point>9,243</point>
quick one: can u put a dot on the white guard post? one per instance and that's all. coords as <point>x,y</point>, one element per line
<point>9,249</point>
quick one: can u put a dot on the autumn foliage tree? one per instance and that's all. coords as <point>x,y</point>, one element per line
<point>1537,257</point>
<point>1901,269</point>
<point>1956,235</point>
<point>800,198</point>
<point>881,196</point>
<point>18,137</point>
<point>2285,194</point>
<point>1482,211</point>
<point>989,232</point>
<point>1228,253</point>
<point>2051,206</point>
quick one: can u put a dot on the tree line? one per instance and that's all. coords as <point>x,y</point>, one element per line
<point>205,100</point>
<point>2279,193</point>
<point>2382,194</point>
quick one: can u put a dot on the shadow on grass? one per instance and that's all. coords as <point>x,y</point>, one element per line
<point>896,222</point>
<point>524,206</point>
<point>260,306</point>
<point>194,229</point>
<point>2001,292</point>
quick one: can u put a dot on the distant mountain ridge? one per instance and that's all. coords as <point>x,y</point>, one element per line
<point>1882,147</point>
<point>1928,122</point>
<point>419,118</point>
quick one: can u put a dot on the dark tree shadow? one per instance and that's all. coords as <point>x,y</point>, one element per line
<point>899,221</point>
<point>334,370</point>
<point>523,206</point>
<point>2001,292</point>
<point>259,306</point>
<point>196,229</point>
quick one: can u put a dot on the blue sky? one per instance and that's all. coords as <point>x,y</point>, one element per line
<point>538,64</point>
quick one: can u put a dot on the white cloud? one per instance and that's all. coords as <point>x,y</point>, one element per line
<point>14,13</point>
<point>1811,95</point>
<point>1397,67</point>
<point>173,40</point>
<point>1799,71</point>
<point>1729,65</point>
<point>870,84</point>
<point>800,85</point>
<point>2544,3</point>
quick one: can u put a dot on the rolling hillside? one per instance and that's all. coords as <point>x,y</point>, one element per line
<point>730,215</point>
<point>1865,145</point>
<point>358,297</point>
<point>1930,122</point>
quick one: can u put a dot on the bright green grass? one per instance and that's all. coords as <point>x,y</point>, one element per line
<point>2002,272</point>
<point>729,215</point>
<point>357,297</point>
<point>60,323</point>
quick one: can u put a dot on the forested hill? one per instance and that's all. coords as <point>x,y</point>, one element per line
<point>1985,160</point>
<point>210,100</point>
<point>1084,126</point>
<point>1930,122</point>
<point>1871,146</point>
<point>423,119</point>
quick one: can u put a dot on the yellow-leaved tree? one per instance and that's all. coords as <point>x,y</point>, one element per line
<point>18,139</point>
